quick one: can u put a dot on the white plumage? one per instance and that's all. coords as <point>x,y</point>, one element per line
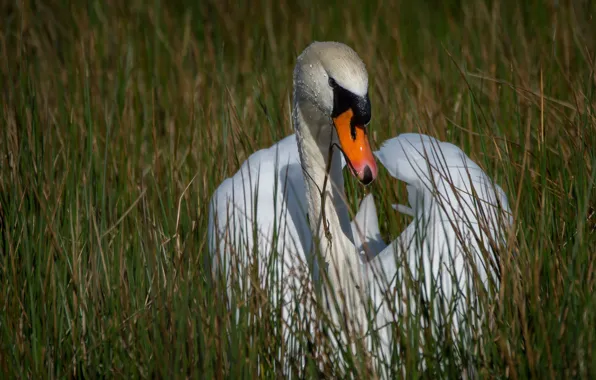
<point>459,214</point>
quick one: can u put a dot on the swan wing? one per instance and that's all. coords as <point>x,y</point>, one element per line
<point>459,213</point>
<point>441,178</point>
<point>261,208</point>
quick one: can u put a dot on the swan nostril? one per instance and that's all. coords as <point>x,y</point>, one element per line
<point>367,175</point>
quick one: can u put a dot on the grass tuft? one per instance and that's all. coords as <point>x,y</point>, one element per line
<point>119,120</point>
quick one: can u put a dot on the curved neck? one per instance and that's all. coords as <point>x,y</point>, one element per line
<point>328,213</point>
<point>315,136</point>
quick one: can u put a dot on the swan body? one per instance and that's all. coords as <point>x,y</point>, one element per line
<point>287,202</point>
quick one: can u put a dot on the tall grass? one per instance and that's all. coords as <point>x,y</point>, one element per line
<point>120,119</point>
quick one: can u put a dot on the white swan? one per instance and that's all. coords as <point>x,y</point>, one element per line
<point>264,206</point>
<point>331,106</point>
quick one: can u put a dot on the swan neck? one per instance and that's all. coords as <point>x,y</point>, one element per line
<point>323,175</point>
<point>325,193</point>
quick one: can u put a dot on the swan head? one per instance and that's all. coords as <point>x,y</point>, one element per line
<point>333,78</point>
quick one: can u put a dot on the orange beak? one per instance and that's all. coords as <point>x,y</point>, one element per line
<point>354,143</point>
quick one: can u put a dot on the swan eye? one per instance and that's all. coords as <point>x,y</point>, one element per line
<point>332,83</point>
